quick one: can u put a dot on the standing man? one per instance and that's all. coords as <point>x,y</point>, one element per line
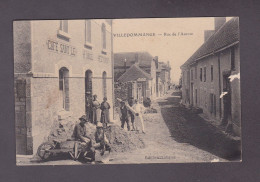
<point>132,115</point>
<point>124,115</point>
<point>105,112</point>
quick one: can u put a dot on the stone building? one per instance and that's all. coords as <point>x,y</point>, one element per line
<point>58,64</point>
<point>138,83</point>
<point>211,76</point>
<point>144,60</point>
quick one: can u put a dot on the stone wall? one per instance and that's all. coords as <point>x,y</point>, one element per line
<point>23,125</point>
<point>45,108</point>
<point>22,46</point>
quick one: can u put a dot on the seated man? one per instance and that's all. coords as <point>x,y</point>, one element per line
<point>101,139</point>
<point>79,134</point>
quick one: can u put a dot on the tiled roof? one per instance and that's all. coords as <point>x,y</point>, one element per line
<point>133,73</point>
<point>225,36</point>
<point>145,59</point>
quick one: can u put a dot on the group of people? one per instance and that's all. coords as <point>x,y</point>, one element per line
<point>96,112</point>
<point>134,110</point>
<point>129,109</point>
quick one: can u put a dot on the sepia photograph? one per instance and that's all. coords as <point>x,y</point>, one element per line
<point>127,91</point>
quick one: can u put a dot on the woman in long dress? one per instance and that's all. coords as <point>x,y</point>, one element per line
<point>105,112</point>
<point>95,109</point>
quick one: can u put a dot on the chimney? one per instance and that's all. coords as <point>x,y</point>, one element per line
<point>208,34</point>
<point>219,21</point>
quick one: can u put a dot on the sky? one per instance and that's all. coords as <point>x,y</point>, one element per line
<point>173,47</point>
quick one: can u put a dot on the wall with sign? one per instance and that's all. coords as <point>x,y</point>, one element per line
<point>42,50</point>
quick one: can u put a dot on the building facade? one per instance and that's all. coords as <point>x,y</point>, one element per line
<point>58,64</point>
<point>211,76</point>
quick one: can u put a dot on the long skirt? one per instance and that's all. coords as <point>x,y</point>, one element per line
<point>96,115</point>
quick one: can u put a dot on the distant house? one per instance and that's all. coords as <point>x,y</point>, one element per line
<point>210,77</point>
<point>139,83</point>
<point>144,60</point>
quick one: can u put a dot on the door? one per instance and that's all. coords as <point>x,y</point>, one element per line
<point>191,93</point>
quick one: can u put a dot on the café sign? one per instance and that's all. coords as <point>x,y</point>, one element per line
<point>61,48</point>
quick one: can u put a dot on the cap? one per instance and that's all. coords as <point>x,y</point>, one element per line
<point>83,117</point>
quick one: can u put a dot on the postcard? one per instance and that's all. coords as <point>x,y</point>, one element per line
<point>127,91</point>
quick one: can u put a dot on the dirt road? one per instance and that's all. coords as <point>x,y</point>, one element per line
<point>174,135</point>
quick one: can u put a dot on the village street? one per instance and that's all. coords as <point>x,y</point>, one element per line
<point>175,135</point>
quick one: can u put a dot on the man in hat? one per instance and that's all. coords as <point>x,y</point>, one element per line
<point>79,132</point>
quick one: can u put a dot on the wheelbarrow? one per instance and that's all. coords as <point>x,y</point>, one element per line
<point>58,149</point>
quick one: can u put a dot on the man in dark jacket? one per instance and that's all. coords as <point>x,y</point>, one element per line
<point>79,132</point>
<point>124,115</point>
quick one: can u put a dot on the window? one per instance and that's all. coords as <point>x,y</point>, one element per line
<point>233,59</point>
<point>103,32</point>
<point>191,74</point>
<point>196,72</point>
<point>201,74</point>
<point>64,87</point>
<point>205,74</point>
<point>211,72</point>
<point>64,26</point>
<point>87,31</point>
<point>63,31</point>
<point>88,83</point>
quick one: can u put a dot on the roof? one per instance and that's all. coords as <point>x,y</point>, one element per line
<point>133,73</point>
<point>145,59</point>
<point>227,35</point>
